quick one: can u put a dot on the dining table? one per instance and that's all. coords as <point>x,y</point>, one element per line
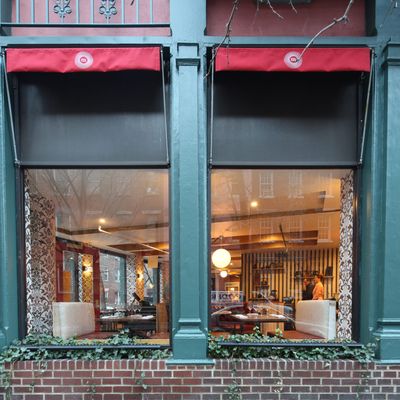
<point>257,319</point>
<point>137,324</point>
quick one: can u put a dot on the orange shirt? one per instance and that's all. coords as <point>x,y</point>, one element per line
<point>318,292</point>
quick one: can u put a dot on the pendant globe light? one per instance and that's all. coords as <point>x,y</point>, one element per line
<point>221,258</point>
<point>223,274</point>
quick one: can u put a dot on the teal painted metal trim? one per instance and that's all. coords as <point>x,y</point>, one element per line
<point>188,361</point>
<point>279,41</point>
<point>59,41</point>
<point>387,331</point>
<point>371,221</point>
<point>8,237</point>
<point>169,40</point>
<point>189,181</point>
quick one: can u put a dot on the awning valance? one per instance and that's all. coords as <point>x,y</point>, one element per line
<point>288,59</point>
<point>83,59</point>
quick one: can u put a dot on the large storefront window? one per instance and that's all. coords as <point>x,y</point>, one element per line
<point>287,239</point>
<point>97,252</point>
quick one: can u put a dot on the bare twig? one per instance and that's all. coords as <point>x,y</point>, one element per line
<point>227,36</point>
<point>273,9</point>
<point>292,5</point>
<point>344,18</point>
<point>393,4</point>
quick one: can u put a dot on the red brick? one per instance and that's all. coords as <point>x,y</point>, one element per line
<point>340,389</point>
<point>62,374</point>
<point>62,389</point>
<point>123,374</point>
<point>151,381</point>
<point>212,381</point>
<point>72,381</point>
<point>102,374</point>
<point>162,374</point>
<point>83,374</point>
<point>42,389</point>
<point>182,374</point>
<point>204,374</point>
<point>122,389</point>
<point>23,374</point>
<point>201,389</point>
<point>131,396</point>
<point>192,381</point>
<point>161,389</point>
<point>300,374</point>
<point>180,389</point>
<point>388,389</point>
<point>172,381</point>
<point>300,389</point>
<point>115,396</point>
<point>111,381</point>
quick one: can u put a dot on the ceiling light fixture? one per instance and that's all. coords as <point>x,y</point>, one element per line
<point>221,258</point>
<point>254,204</point>
<point>223,274</point>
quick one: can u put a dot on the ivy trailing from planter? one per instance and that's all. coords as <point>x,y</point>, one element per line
<point>256,345</point>
<point>46,347</point>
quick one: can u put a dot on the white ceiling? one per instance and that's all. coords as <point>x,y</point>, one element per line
<point>134,205</point>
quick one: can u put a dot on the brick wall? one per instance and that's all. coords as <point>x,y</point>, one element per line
<point>257,379</point>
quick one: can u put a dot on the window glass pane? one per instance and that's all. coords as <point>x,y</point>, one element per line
<point>97,252</point>
<point>112,267</point>
<point>287,237</point>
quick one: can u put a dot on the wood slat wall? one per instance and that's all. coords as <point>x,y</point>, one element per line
<point>278,268</point>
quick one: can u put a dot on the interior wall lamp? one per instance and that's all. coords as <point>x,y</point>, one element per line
<point>87,263</point>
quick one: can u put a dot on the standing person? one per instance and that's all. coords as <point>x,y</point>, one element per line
<point>308,288</point>
<point>318,292</point>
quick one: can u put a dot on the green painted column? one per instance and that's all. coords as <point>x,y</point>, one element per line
<point>8,253</point>
<point>189,208</point>
<point>388,311</point>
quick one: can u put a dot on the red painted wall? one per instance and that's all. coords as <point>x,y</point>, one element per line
<point>308,20</point>
<point>132,15</point>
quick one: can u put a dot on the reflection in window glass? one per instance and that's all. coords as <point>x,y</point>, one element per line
<point>89,237</point>
<point>113,266</point>
<point>289,236</point>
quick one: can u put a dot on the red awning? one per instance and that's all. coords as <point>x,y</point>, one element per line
<point>287,59</point>
<point>83,59</point>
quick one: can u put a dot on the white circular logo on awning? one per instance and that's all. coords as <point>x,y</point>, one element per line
<point>293,60</point>
<point>83,60</point>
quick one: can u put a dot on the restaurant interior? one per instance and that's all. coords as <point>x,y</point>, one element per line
<point>97,252</point>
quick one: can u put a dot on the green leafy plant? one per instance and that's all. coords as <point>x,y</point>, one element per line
<point>342,351</point>
<point>20,350</point>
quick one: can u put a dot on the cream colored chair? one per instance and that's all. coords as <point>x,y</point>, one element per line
<point>73,319</point>
<point>316,317</point>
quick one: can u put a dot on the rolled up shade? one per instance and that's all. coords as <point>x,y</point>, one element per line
<point>288,59</point>
<point>64,60</point>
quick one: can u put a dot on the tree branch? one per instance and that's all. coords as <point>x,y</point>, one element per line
<point>273,9</point>
<point>228,31</point>
<point>344,18</point>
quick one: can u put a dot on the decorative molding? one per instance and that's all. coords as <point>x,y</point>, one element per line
<point>344,325</point>
<point>130,278</point>
<point>40,261</point>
